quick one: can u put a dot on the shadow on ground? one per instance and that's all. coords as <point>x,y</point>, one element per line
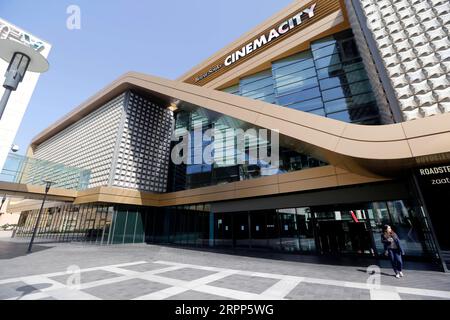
<point>27,289</point>
<point>10,250</point>
<point>341,260</point>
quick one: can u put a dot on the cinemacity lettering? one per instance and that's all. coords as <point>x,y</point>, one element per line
<point>283,28</point>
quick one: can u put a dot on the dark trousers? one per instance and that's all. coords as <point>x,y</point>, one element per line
<point>396,259</point>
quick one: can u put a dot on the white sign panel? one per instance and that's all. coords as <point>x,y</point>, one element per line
<point>18,102</point>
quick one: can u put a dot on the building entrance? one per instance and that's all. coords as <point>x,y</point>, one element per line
<point>435,185</point>
<point>353,229</point>
<point>344,232</point>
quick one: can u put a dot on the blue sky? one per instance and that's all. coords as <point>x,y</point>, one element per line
<point>163,38</point>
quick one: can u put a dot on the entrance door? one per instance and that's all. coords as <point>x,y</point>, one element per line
<point>332,236</point>
<point>439,210</point>
<point>435,185</point>
<point>223,230</point>
<point>343,232</point>
<point>241,230</point>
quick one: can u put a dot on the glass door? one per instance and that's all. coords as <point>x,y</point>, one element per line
<point>241,231</point>
<point>223,231</point>
<point>346,230</point>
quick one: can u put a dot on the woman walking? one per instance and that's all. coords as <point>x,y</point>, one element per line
<point>393,249</point>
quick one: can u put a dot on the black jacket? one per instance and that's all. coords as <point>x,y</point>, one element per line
<point>387,243</point>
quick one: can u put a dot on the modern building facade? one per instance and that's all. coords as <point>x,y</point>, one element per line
<point>357,96</point>
<point>18,103</point>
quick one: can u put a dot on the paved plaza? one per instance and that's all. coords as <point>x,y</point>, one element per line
<point>149,272</point>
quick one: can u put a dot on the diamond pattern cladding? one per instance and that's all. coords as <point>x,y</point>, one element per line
<point>413,39</point>
<point>143,158</point>
<point>89,143</point>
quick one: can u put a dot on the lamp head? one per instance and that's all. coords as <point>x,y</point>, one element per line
<point>48,184</point>
<point>9,47</point>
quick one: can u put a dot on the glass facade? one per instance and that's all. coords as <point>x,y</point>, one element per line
<point>334,229</point>
<point>340,229</point>
<point>22,169</point>
<point>226,165</point>
<point>96,224</point>
<point>329,80</point>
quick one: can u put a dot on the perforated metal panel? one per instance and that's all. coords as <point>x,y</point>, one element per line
<point>89,143</point>
<point>125,143</point>
<point>143,156</point>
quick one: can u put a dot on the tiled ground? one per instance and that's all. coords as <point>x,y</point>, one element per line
<point>186,274</point>
<point>152,272</point>
<point>312,291</point>
<point>15,289</point>
<point>121,290</point>
<point>172,280</point>
<point>245,283</point>
<point>88,276</point>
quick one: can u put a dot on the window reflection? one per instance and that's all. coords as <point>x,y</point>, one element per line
<point>331,71</point>
<point>334,229</point>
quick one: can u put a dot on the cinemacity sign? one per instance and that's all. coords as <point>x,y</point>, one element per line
<point>262,40</point>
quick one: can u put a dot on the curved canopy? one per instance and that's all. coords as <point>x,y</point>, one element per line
<point>380,150</point>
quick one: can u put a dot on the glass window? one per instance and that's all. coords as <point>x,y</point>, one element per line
<point>406,224</point>
<point>323,43</point>
<point>259,229</point>
<point>289,230</point>
<point>309,105</point>
<point>328,61</point>
<point>292,68</point>
<point>341,116</point>
<point>119,226</point>
<point>336,105</point>
<point>343,78</point>
<point>233,89</point>
<point>305,229</point>
<point>130,226</point>
<point>325,51</point>
<point>273,230</point>
<point>255,77</point>
<point>296,58</point>
<point>362,113</point>
<point>260,92</point>
<point>349,49</point>
<point>319,112</point>
<point>333,64</point>
<point>299,96</point>
<point>333,94</point>
<point>364,99</point>
<point>297,82</point>
<point>256,85</point>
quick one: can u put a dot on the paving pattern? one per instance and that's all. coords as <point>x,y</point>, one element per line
<point>155,280</point>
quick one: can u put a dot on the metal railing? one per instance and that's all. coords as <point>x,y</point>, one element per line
<point>26,170</point>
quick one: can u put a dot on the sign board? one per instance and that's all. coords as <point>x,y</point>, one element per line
<point>435,176</point>
<point>8,31</point>
<point>286,27</point>
<point>18,101</point>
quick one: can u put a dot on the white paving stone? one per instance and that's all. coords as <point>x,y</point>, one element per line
<point>279,290</point>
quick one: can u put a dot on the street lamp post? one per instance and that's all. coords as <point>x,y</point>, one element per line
<point>21,58</point>
<point>48,184</point>
<point>3,201</point>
